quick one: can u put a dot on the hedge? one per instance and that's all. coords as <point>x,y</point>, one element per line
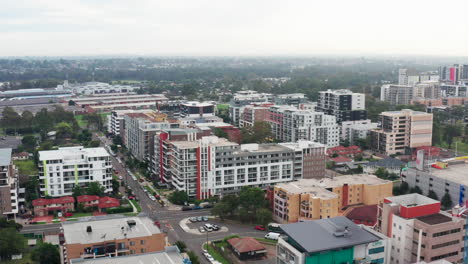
<point>119,210</point>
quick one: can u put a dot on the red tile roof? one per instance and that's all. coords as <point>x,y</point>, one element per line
<point>246,244</point>
<point>340,159</point>
<point>87,198</point>
<point>61,200</point>
<point>341,150</point>
<point>108,202</point>
<point>366,213</point>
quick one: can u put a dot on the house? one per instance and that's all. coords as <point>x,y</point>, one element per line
<point>21,156</point>
<point>340,160</point>
<point>247,247</point>
<point>350,151</point>
<point>88,200</point>
<point>108,202</point>
<point>43,207</point>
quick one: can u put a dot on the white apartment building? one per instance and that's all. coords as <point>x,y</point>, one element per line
<point>116,119</point>
<point>216,166</point>
<point>343,104</point>
<point>352,130</point>
<point>244,98</point>
<point>63,169</point>
<point>396,94</point>
<point>290,124</point>
<point>90,88</point>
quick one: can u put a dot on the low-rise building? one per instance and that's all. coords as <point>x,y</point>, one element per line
<point>351,131</point>
<point>63,169</point>
<point>111,237</point>
<point>170,255</point>
<point>44,207</point>
<point>419,230</point>
<point>311,199</point>
<point>333,240</point>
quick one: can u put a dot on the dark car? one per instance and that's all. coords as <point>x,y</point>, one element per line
<point>186,208</point>
<point>215,227</point>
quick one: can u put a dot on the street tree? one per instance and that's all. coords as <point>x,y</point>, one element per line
<point>95,188</point>
<point>46,253</point>
<point>264,216</point>
<point>11,243</point>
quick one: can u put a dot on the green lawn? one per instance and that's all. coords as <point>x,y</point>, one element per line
<point>26,167</point>
<point>25,260</point>
<point>136,204</point>
<point>215,253</point>
<point>458,145</point>
<point>81,121</point>
<point>267,241</point>
<point>75,215</point>
<point>130,214</point>
<point>222,106</point>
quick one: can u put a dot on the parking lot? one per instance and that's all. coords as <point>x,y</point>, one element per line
<point>201,225</point>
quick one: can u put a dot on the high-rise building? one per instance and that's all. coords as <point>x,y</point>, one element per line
<point>333,240</point>
<point>254,113</point>
<point>9,189</point>
<point>215,166</point>
<point>295,99</point>
<point>402,130</point>
<point>63,169</point>
<point>419,231</point>
<point>290,124</point>
<point>351,131</point>
<point>244,98</point>
<point>343,104</point>
<point>197,109</point>
<point>116,119</point>
<point>396,94</point>
<point>311,199</point>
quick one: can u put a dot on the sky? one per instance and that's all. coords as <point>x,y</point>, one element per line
<point>233,27</point>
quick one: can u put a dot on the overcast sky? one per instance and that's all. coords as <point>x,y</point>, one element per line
<point>234,27</point>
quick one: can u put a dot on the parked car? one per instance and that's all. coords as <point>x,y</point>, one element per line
<point>68,214</point>
<point>204,218</point>
<point>131,197</point>
<point>208,227</point>
<point>272,236</point>
<point>208,257</point>
<point>199,219</point>
<point>197,207</point>
<point>215,227</point>
<point>186,208</point>
<point>193,219</point>
<point>201,229</point>
<point>208,206</point>
<point>260,227</point>
<point>120,177</point>
<point>152,198</point>
<point>116,172</point>
<point>141,180</point>
<point>157,223</point>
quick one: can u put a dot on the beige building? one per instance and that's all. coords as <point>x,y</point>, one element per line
<point>121,236</point>
<point>311,199</point>
<point>401,130</point>
<point>9,200</point>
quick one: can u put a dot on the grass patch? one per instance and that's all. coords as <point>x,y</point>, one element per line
<point>75,215</point>
<point>267,241</point>
<point>26,167</point>
<point>25,260</point>
<point>136,204</point>
<point>217,256</point>
<point>72,219</point>
<point>82,122</point>
<point>222,106</point>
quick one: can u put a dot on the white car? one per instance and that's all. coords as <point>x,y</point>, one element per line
<point>152,198</point>
<point>208,257</point>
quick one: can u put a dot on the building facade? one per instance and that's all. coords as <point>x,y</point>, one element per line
<point>311,199</point>
<point>396,94</point>
<point>343,104</point>
<point>9,186</point>
<point>63,169</point>
<point>419,231</point>
<point>402,130</point>
<point>243,98</point>
<point>351,131</point>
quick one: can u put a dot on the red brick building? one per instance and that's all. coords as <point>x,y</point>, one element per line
<point>350,151</point>
<point>43,207</point>
<point>88,200</point>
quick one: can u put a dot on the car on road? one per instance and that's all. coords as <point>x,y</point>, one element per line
<point>201,229</point>
<point>215,227</point>
<point>186,208</point>
<point>260,227</point>
<point>199,219</point>
<point>208,257</point>
<point>205,218</point>
<point>131,197</point>
<point>152,198</point>
<point>193,219</point>
<point>157,223</point>
<point>272,236</point>
<point>120,177</point>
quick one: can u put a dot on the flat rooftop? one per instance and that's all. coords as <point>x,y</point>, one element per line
<point>455,173</point>
<point>72,153</point>
<point>327,234</point>
<point>164,257</point>
<point>411,200</point>
<point>435,219</point>
<point>5,156</point>
<point>310,185</point>
<point>108,230</point>
<point>114,97</point>
<point>211,140</point>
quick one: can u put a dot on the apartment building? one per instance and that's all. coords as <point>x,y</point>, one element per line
<point>402,130</point>
<point>215,166</point>
<point>343,104</point>
<point>111,237</point>
<point>428,89</point>
<point>254,113</point>
<point>9,186</point>
<point>311,199</point>
<point>197,109</point>
<point>329,241</point>
<point>290,124</point>
<point>244,98</point>
<point>295,99</point>
<point>411,77</point>
<point>140,129</point>
<point>447,177</point>
<point>354,130</point>
<point>116,122</point>
<point>396,94</point>
<point>419,231</point>
<point>63,169</point>
<point>454,90</point>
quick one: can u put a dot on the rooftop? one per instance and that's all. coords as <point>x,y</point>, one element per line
<point>246,244</point>
<point>72,153</point>
<point>435,219</point>
<point>108,229</point>
<point>310,185</point>
<point>168,256</point>
<point>5,156</point>
<point>454,172</point>
<point>337,232</point>
<point>410,200</point>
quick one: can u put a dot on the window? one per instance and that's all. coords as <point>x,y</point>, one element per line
<point>132,251</point>
<point>143,250</point>
<point>142,242</point>
<point>132,243</point>
<point>376,250</point>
